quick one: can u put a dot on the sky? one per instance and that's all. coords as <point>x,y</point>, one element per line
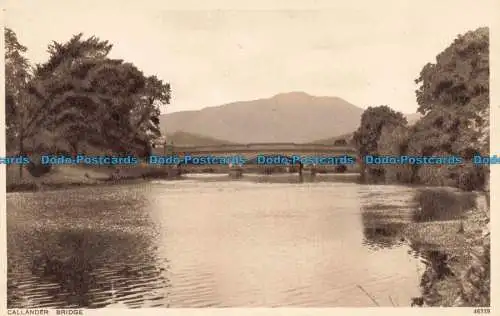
<point>216,52</point>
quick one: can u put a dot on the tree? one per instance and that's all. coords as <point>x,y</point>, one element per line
<point>17,73</point>
<point>373,120</point>
<point>145,116</point>
<point>65,103</point>
<point>454,97</point>
<point>89,98</point>
<point>393,141</point>
<point>17,99</point>
<point>454,92</point>
<point>80,98</point>
<point>366,138</point>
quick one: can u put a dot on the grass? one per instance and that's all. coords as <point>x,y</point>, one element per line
<point>62,176</point>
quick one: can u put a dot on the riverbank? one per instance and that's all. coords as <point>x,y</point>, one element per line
<point>66,176</point>
<point>457,258</point>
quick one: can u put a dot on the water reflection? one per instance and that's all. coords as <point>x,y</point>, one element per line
<point>216,242</point>
<point>73,272</point>
<point>385,213</point>
<point>382,235</point>
<point>442,204</point>
<point>60,266</point>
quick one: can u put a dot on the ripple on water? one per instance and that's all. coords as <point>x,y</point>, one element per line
<point>196,243</point>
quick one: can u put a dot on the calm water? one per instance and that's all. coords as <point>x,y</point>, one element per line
<point>206,242</point>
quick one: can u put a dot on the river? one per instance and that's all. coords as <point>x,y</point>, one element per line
<point>213,242</point>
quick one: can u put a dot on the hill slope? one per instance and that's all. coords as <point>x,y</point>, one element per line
<point>288,117</point>
<point>189,139</point>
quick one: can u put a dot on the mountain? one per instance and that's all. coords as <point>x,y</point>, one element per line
<point>287,117</point>
<point>189,139</point>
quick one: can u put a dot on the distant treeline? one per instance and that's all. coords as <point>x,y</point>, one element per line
<point>79,100</point>
<point>453,96</point>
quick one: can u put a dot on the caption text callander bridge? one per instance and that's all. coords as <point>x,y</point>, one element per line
<point>251,151</point>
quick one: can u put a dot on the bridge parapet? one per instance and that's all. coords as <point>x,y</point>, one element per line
<point>276,148</point>
<point>251,151</point>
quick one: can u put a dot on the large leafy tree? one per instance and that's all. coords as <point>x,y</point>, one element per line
<point>80,98</point>
<point>92,99</point>
<point>17,75</point>
<point>454,97</point>
<point>83,95</point>
<point>67,105</point>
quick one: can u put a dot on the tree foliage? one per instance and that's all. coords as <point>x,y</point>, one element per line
<point>373,120</point>
<point>18,75</point>
<point>81,98</point>
<point>453,95</point>
<point>393,141</point>
<point>366,138</point>
<point>460,77</point>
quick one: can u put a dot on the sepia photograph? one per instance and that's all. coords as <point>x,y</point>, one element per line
<point>324,156</point>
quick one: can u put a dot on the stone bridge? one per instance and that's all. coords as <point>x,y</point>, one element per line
<point>289,152</point>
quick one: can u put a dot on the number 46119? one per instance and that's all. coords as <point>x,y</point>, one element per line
<point>481,311</point>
